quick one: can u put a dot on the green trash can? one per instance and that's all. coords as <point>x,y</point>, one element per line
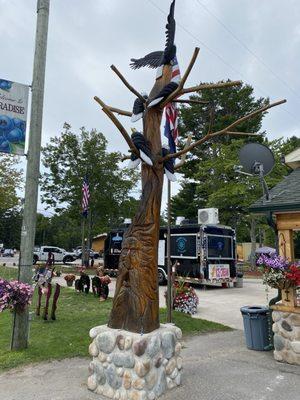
<point>257,327</point>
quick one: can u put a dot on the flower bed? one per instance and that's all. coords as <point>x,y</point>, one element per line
<point>185,298</point>
<point>14,295</point>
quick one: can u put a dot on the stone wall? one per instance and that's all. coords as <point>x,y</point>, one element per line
<point>286,328</point>
<point>127,365</point>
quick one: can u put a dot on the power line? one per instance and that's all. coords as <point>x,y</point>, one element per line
<point>218,56</point>
<point>247,48</point>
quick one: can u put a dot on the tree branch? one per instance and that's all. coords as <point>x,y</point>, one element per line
<point>210,86</point>
<point>120,112</point>
<point>177,92</point>
<point>183,158</point>
<point>118,124</point>
<point>253,114</point>
<point>132,89</point>
<point>191,101</point>
<point>124,158</point>
<point>226,130</point>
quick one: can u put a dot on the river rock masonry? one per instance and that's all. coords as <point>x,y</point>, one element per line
<point>131,366</point>
<point>286,328</point>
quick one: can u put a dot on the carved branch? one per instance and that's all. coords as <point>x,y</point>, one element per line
<point>119,111</point>
<point>226,130</point>
<point>248,116</point>
<point>131,88</point>
<point>124,158</point>
<point>118,124</point>
<point>183,158</point>
<point>189,68</point>
<point>191,101</point>
<point>210,86</point>
<point>177,92</point>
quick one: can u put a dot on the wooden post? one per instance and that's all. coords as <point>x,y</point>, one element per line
<point>170,281</point>
<point>286,244</point>
<point>21,320</point>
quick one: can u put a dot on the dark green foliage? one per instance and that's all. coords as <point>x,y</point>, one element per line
<point>10,228</point>
<point>210,166</point>
<point>10,219</point>
<point>68,158</point>
<point>10,181</point>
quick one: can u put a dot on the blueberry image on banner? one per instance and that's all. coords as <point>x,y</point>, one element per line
<point>6,123</point>
<point>15,135</point>
<point>5,85</point>
<point>19,123</point>
<point>13,116</point>
<point>5,147</point>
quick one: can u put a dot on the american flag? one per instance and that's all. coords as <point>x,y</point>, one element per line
<point>171,126</point>
<point>85,197</point>
<point>175,77</point>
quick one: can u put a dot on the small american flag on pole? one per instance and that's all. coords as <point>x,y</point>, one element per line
<point>85,197</point>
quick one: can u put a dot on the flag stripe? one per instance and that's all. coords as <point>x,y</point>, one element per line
<point>85,197</point>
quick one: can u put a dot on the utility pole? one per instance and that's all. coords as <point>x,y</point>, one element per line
<point>21,320</point>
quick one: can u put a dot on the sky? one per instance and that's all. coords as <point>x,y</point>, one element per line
<point>255,41</point>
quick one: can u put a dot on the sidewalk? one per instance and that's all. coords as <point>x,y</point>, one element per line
<point>216,367</point>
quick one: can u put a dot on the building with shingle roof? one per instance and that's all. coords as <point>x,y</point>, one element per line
<point>284,205</point>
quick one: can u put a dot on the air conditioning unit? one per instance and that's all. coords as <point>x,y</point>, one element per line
<point>179,220</point>
<point>208,216</point>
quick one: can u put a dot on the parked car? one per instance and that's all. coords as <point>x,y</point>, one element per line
<point>60,255</point>
<point>8,253</point>
<point>92,253</point>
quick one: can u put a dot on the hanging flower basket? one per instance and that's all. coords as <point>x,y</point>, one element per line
<point>278,273</point>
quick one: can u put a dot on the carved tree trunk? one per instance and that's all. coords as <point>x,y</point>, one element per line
<point>136,301</point>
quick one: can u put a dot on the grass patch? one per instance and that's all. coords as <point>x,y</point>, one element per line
<point>8,273</point>
<point>68,335</point>
<point>74,270</point>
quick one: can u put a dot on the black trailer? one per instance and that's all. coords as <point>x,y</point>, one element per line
<point>203,254</point>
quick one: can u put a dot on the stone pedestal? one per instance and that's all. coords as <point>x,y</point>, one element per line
<point>286,328</point>
<point>131,366</point>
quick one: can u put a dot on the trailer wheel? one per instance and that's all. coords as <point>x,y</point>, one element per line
<point>161,278</point>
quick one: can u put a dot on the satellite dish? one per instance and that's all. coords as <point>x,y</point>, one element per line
<point>256,159</point>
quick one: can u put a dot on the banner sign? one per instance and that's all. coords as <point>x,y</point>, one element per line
<point>218,271</point>
<point>13,116</point>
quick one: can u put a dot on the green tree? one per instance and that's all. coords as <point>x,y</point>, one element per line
<point>10,218</point>
<point>10,181</point>
<point>214,181</point>
<point>68,158</point>
<point>10,228</point>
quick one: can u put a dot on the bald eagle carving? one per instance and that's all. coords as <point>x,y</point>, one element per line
<point>158,58</point>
